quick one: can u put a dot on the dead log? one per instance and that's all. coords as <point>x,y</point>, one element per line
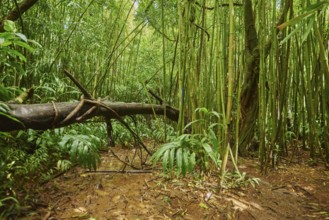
<point>54,115</point>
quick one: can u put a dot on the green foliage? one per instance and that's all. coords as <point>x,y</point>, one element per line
<point>308,18</point>
<point>121,134</point>
<point>10,204</point>
<point>154,129</point>
<point>188,151</point>
<point>82,149</point>
<point>33,156</point>
<point>159,129</point>
<point>4,93</point>
<point>63,165</point>
<point>25,156</point>
<point>10,41</point>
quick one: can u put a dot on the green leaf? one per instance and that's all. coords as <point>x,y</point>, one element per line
<point>36,43</point>
<point>210,152</point>
<point>172,159</point>
<point>157,155</point>
<point>9,26</point>
<point>189,124</point>
<point>165,159</point>
<point>215,114</point>
<point>202,110</point>
<point>311,10</point>
<point>308,29</point>
<point>4,107</point>
<point>6,43</point>
<point>21,36</point>
<point>192,162</point>
<point>15,53</point>
<point>214,141</point>
<point>185,161</point>
<point>179,160</point>
<point>291,34</point>
<point>24,45</point>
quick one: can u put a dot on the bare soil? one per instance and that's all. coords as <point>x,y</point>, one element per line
<point>293,191</point>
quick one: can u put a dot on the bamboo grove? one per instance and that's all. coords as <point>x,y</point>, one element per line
<point>261,67</point>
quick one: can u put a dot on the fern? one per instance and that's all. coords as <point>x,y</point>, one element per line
<point>184,153</point>
<point>82,149</point>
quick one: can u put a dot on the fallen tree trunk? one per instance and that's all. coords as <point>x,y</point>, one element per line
<point>55,115</point>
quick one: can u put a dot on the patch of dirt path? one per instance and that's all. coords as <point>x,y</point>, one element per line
<point>291,192</point>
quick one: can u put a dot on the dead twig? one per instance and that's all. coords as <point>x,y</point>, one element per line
<point>78,84</point>
<point>156,96</point>
<point>75,111</point>
<point>88,112</point>
<point>118,117</point>
<point>122,161</point>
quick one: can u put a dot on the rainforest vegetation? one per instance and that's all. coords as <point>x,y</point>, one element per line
<point>191,86</point>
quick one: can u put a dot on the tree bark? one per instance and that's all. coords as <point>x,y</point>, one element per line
<point>54,115</point>
<point>249,93</point>
<point>14,14</point>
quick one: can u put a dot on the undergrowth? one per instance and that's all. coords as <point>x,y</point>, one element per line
<point>30,157</point>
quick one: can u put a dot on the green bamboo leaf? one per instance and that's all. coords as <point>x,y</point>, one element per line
<point>172,159</point>
<point>295,20</point>
<point>308,29</point>
<point>185,162</point>
<point>298,28</point>
<point>210,152</point>
<point>189,124</point>
<point>192,162</point>
<point>24,45</point>
<point>6,43</point>
<point>15,53</point>
<point>157,155</point>
<point>317,6</point>
<point>4,107</point>
<point>75,144</point>
<point>64,141</point>
<point>213,139</point>
<point>202,110</point>
<point>215,114</point>
<point>182,137</point>
<point>311,10</point>
<point>165,159</point>
<point>179,160</point>
<point>34,42</point>
<point>86,149</point>
<point>21,36</point>
<point>7,35</point>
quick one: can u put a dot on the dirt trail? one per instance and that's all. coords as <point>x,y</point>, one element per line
<point>292,192</point>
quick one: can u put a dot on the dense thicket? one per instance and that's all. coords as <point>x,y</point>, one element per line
<point>247,76</point>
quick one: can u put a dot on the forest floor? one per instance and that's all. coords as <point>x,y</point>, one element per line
<point>293,191</point>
